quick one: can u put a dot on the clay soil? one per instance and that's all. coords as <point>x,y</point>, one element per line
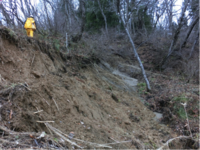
<point>68,90</point>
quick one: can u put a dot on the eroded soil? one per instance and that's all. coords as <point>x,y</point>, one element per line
<point>71,92</point>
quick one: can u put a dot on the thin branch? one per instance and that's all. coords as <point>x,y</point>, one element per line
<point>170,140</point>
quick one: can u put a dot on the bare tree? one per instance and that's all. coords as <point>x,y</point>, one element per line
<point>195,42</point>
<point>189,32</point>
<point>104,16</point>
<point>159,13</point>
<point>170,12</point>
<point>177,32</point>
<point>194,22</point>
<point>125,19</point>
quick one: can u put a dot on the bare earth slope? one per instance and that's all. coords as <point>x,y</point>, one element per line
<point>72,93</point>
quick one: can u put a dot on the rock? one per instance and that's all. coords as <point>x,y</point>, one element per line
<point>114,98</point>
<point>128,80</point>
<point>127,122</point>
<point>130,70</point>
<point>130,83</point>
<point>36,74</point>
<point>158,116</point>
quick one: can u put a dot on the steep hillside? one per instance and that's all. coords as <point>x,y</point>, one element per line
<point>46,90</point>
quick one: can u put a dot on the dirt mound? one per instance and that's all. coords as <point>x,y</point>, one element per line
<point>38,84</point>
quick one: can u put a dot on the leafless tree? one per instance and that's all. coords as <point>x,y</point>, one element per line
<point>189,32</point>
<point>104,16</point>
<point>159,13</point>
<point>195,42</point>
<point>125,15</point>
<point>192,25</point>
<point>169,6</point>
<point>177,32</point>
<point>82,10</point>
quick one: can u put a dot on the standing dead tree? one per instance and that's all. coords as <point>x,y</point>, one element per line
<point>126,19</point>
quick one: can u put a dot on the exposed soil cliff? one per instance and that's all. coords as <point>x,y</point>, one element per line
<point>38,84</point>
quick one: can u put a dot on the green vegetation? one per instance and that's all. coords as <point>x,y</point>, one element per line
<point>17,137</point>
<point>141,88</point>
<point>110,88</point>
<point>181,99</point>
<point>10,32</point>
<point>178,108</point>
<point>180,111</point>
<point>56,45</point>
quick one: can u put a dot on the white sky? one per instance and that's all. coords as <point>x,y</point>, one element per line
<point>179,2</point>
<point>34,2</point>
<point>177,7</point>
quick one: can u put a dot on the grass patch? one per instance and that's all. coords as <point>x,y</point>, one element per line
<point>141,88</point>
<point>178,108</point>
<point>180,99</point>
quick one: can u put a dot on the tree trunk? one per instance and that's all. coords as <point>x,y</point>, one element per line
<point>196,39</point>
<point>139,60</point>
<point>82,5</point>
<point>170,15</point>
<point>67,10</point>
<point>136,54</point>
<point>189,31</point>
<point>177,32</point>
<point>104,16</point>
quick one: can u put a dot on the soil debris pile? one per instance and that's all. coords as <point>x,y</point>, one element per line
<point>42,90</point>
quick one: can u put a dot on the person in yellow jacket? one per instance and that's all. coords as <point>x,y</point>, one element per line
<point>30,26</point>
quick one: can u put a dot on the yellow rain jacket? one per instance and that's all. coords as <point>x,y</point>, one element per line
<point>30,24</point>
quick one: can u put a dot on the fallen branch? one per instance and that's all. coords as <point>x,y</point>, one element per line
<point>184,105</point>
<point>26,86</point>
<point>45,121</point>
<point>79,80</point>
<point>13,87</point>
<point>11,113</point>
<point>18,133</point>
<point>16,143</point>
<point>46,102</point>
<point>56,104</point>
<point>48,129</point>
<point>90,143</point>
<point>44,99</point>
<point>64,138</point>
<point>38,111</point>
<point>33,59</point>
<point>170,140</point>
